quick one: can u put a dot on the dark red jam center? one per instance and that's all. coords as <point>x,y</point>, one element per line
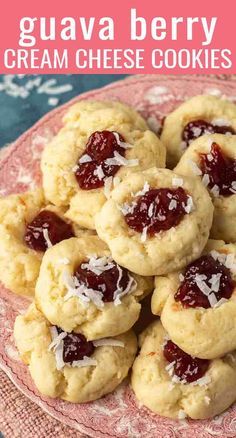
<point>107,282</point>
<point>75,347</point>
<point>220,169</point>
<point>202,277</point>
<point>100,147</point>
<point>197,128</point>
<point>186,367</point>
<point>158,210</point>
<point>55,227</point>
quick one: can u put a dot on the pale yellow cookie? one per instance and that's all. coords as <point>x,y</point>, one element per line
<point>159,390</point>
<point>78,382</point>
<point>89,116</point>
<point>207,333</point>
<point>61,156</point>
<point>167,250</point>
<point>64,304</point>
<point>224,221</point>
<point>207,108</point>
<point>19,264</point>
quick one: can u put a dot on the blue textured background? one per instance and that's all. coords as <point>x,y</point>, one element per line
<point>18,114</point>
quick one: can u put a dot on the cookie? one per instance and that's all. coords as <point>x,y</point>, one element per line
<point>28,226</point>
<point>81,288</point>
<point>156,221</point>
<point>99,144</point>
<point>212,158</point>
<point>198,305</point>
<point>195,117</point>
<point>66,365</point>
<point>171,383</point>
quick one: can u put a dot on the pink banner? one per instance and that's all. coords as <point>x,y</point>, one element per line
<point>118,37</point>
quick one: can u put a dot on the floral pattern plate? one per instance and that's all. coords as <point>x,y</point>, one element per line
<point>117,415</point>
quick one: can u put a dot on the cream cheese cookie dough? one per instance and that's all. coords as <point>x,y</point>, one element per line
<point>67,365</point>
<point>198,305</point>
<point>171,383</point>
<point>197,116</point>
<point>212,158</point>
<point>81,288</point>
<point>28,226</point>
<point>156,221</point>
<point>99,144</point>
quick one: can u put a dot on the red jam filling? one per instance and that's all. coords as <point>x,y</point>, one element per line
<point>55,227</point>
<point>220,169</point>
<point>75,347</point>
<point>186,367</point>
<point>158,210</point>
<point>202,278</point>
<point>107,282</point>
<point>197,128</point>
<point>100,147</point>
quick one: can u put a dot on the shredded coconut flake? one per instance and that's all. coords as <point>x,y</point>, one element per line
<point>144,235</point>
<point>109,342</point>
<point>230,261</point>
<point>119,160</point>
<point>46,237</point>
<point>122,144</point>
<point>190,206</point>
<point>177,182</point>
<point>201,284</point>
<point>215,282</point>
<point>53,101</point>
<point>196,131</point>
<point>212,300</point>
<point>226,259</point>
<point>150,210</point>
<point>98,265</point>
<point>119,293</point>
<point>76,289</point>
<point>221,122</point>
<point>57,347</point>
<point>170,366</point>
<point>85,159</point>
<point>205,179</point>
<point>142,192</point>
<point>85,362</point>
<point>99,172</point>
<point>108,186</point>
<point>127,208</point>
<point>203,381</point>
<point>48,87</point>
<point>215,191</point>
<point>172,204</point>
<point>210,157</point>
<point>74,169</point>
<point>220,302</point>
<point>56,338</point>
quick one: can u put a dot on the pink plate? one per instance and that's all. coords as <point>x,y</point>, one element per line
<point>116,415</point>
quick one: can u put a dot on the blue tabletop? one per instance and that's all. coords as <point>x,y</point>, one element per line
<point>26,98</point>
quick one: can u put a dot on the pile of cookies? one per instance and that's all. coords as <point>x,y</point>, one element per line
<point>111,225</point>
